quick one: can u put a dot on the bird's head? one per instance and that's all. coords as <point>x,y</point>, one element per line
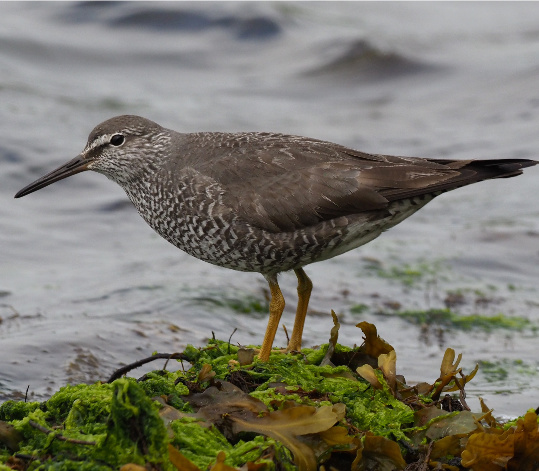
<point>119,148</point>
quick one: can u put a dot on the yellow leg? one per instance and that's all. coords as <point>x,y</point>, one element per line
<point>305,286</point>
<point>276,310</point>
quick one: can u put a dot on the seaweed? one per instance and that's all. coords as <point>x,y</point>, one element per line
<point>330,407</point>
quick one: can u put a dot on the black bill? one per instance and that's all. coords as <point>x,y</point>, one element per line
<point>77,165</point>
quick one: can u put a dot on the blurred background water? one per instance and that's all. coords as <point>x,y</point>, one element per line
<point>86,286</point>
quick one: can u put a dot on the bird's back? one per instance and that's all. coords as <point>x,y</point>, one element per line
<point>282,183</point>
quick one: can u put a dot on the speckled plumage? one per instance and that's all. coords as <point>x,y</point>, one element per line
<point>265,202</point>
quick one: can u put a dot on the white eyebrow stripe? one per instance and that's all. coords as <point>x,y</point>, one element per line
<point>97,142</point>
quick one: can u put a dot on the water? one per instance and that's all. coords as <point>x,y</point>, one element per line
<point>86,286</point>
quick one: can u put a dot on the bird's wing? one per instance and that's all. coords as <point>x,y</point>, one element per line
<point>289,183</point>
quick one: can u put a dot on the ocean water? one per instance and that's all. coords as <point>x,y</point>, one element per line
<point>86,286</point>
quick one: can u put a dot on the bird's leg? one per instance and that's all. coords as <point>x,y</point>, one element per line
<point>305,286</point>
<point>276,308</point>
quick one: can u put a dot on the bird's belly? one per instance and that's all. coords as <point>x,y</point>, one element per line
<point>361,229</point>
<point>228,241</point>
<point>337,236</point>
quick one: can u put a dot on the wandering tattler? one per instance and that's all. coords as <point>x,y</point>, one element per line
<point>266,202</point>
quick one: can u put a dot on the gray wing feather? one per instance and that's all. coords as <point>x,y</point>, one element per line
<point>284,183</point>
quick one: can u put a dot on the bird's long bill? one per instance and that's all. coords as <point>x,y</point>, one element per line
<point>77,165</point>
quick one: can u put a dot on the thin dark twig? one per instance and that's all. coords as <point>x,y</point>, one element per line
<point>425,464</point>
<point>158,356</point>
<point>172,356</point>
<point>59,436</point>
<point>26,394</point>
<point>230,338</point>
<point>462,392</point>
<point>286,333</point>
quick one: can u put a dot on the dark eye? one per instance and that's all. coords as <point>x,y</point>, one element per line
<point>117,140</point>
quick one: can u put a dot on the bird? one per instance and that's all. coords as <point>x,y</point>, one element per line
<point>266,202</point>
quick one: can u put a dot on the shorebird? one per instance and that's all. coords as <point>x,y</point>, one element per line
<point>266,202</point>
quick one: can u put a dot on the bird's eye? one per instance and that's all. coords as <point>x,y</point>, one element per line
<point>117,140</point>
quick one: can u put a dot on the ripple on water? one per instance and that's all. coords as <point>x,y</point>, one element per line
<point>183,19</point>
<point>362,60</point>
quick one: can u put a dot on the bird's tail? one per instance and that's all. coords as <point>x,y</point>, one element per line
<point>487,169</point>
<point>464,172</point>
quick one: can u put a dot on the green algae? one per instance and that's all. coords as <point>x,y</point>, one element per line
<point>449,318</point>
<point>122,422</point>
<point>99,425</point>
<point>104,426</point>
<point>248,305</point>
<point>139,430</point>
<point>500,371</point>
<point>359,308</point>
<point>158,383</point>
<point>201,445</point>
<point>380,412</point>
<point>377,411</point>
<point>17,410</point>
<point>80,404</point>
<point>410,275</point>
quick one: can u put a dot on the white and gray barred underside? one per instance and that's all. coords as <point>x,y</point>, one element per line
<point>194,219</point>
